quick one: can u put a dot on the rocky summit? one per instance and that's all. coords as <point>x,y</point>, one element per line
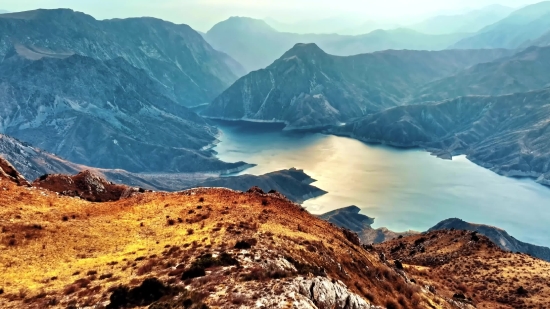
<point>307,87</point>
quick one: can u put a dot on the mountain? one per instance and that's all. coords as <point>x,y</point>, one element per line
<point>293,183</point>
<point>525,24</point>
<point>255,44</point>
<point>350,218</point>
<point>103,114</point>
<point>175,56</point>
<point>468,22</point>
<point>543,40</point>
<point>507,134</point>
<point>496,235</point>
<point>226,247</point>
<point>469,269</point>
<point>4,11</point>
<point>522,72</point>
<point>307,87</point>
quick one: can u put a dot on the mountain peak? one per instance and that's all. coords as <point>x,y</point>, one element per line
<point>304,49</point>
<point>45,14</point>
<point>238,23</point>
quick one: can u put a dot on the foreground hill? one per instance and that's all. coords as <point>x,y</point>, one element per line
<point>307,87</point>
<point>174,56</point>
<point>499,236</point>
<point>205,248</point>
<point>506,134</point>
<point>521,26</point>
<point>471,269</point>
<point>255,44</point>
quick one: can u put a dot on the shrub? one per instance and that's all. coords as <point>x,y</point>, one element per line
<point>242,244</point>
<point>149,291</point>
<point>391,304</point>
<point>170,221</point>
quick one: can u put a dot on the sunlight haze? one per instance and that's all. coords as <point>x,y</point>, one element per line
<point>203,14</point>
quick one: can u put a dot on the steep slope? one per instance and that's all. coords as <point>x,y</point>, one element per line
<point>496,235</point>
<point>468,22</point>
<point>350,218</point>
<point>205,248</point>
<point>255,44</point>
<point>9,173</point>
<point>507,134</point>
<point>470,269</point>
<point>307,87</point>
<point>103,114</point>
<point>522,72</point>
<point>175,56</point>
<point>293,183</point>
<point>525,24</point>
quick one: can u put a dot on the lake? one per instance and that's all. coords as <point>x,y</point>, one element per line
<point>402,189</point>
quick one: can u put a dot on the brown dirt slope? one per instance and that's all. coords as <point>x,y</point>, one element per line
<point>8,172</point>
<point>210,248</point>
<point>467,263</point>
<point>85,185</point>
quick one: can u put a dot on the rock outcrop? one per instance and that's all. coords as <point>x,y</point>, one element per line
<point>499,236</point>
<point>328,294</point>
<point>350,218</point>
<point>87,186</point>
<point>7,171</point>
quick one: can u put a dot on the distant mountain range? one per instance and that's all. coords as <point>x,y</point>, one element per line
<point>307,87</point>
<point>524,25</point>
<point>468,22</point>
<point>95,92</point>
<point>256,45</point>
<point>174,56</point>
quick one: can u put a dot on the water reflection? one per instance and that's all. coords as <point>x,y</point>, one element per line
<point>403,189</point>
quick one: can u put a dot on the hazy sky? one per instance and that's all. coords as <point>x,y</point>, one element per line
<point>202,14</point>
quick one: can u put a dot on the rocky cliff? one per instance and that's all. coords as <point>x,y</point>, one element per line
<point>174,56</point>
<point>102,113</point>
<point>307,87</point>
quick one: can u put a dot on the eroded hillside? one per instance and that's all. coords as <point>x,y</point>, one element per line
<point>217,247</point>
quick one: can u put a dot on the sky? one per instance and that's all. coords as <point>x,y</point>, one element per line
<point>202,14</point>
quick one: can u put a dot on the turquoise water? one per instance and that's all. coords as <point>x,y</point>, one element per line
<point>402,189</point>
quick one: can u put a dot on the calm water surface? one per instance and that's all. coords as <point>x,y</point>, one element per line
<point>402,189</point>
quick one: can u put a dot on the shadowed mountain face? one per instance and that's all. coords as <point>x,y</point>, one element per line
<point>175,56</point>
<point>525,71</point>
<point>507,134</point>
<point>307,87</point>
<point>255,44</point>
<point>103,114</point>
<point>521,26</point>
<point>498,236</point>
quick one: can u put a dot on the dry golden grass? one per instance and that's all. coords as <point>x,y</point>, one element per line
<point>57,251</point>
<point>458,262</point>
